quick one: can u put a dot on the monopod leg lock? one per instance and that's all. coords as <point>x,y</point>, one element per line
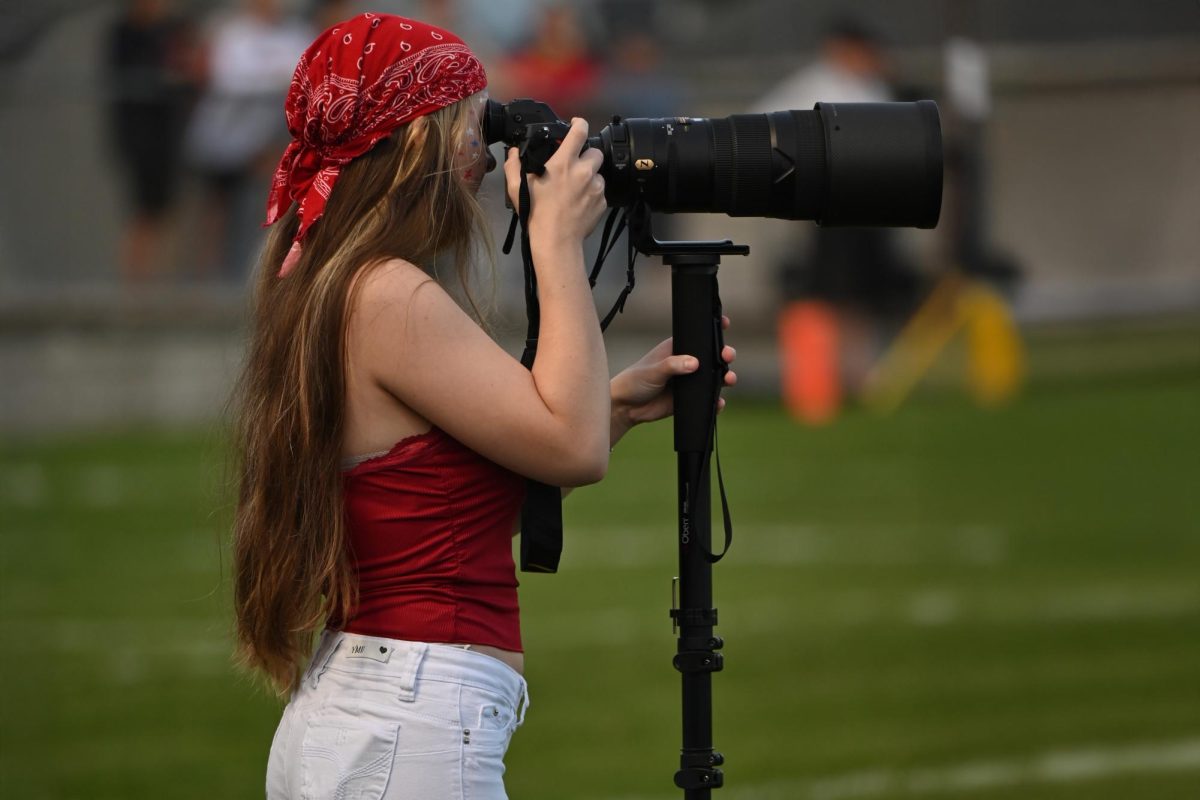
<point>696,653</point>
<point>698,770</point>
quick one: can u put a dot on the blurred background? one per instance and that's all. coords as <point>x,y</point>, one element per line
<point>963,464</point>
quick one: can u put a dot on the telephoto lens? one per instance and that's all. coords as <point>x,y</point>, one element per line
<point>876,164</point>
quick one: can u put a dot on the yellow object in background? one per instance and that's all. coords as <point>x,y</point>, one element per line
<point>996,357</point>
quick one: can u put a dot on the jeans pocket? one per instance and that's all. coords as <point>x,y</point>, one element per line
<point>347,762</point>
<point>488,716</point>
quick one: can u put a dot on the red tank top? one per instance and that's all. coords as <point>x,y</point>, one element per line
<point>431,524</point>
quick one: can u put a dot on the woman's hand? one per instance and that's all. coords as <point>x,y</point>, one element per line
<point>567,200</point>
<point>641,393</point>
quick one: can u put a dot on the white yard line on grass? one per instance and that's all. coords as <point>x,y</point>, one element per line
<point>921,607</point>
<point>1051,767</point>
<point>128,650</point>
<point>24,485</point>
<point>106,485</point>
<point>800,545</point>
<point>933,606</point>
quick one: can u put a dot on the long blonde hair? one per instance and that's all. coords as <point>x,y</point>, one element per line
<point>292,570</point>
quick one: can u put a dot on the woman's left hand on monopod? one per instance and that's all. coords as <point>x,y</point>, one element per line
<point>642,391</point>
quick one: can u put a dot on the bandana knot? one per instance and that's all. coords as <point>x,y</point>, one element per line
<point>356,84</point>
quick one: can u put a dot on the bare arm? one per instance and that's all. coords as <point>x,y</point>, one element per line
<point>414,341</point>
<point>642,392</point>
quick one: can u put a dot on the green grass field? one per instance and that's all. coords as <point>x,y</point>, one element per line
<point>946,603</point>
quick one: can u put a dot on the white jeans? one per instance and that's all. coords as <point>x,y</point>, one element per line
<point>383,718</point>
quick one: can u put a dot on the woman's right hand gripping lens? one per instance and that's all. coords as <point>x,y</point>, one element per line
<point>567,201</point>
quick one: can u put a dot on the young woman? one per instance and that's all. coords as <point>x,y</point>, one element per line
<point>385,438</point>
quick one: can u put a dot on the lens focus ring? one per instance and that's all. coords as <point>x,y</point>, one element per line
<point>752,154</point>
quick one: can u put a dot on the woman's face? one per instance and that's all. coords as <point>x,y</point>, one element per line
<point>473,158</point>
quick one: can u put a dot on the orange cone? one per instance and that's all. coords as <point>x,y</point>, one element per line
<point>808,350</point>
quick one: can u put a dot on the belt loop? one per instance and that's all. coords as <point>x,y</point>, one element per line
<point>326,647</point>
<point>413,656</point>
<point>524,703</point>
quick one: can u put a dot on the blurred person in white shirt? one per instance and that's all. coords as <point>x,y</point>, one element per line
<point>842,288</point>
<point>236,130</point>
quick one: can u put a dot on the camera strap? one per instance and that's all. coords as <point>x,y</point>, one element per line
<point>703,473</point>
<point>608,240</point>
<point>541,514</point>
<point>619,218</point>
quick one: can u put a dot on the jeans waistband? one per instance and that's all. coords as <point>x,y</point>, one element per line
<point>409,661</point>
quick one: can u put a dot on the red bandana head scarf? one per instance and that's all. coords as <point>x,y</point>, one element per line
<point>357,83</point>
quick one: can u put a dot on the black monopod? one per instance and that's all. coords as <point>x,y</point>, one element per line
<point>860,164</point>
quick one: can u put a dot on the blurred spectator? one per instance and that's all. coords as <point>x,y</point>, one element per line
<point>850,68</point>
<point>966,109</point>
<point>635,85</point>
<point>150,67</point>
<point>556,67</point>
<point>437,12</point>
<point>327,13</point>
<point>846,285</point>
<point>493,28</point>
<point>499,26</point>
<point>239,129</point>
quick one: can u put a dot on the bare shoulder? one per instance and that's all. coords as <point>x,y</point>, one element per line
<point>399,313</point>
<point>390,294</point>
<point>389,282</point>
